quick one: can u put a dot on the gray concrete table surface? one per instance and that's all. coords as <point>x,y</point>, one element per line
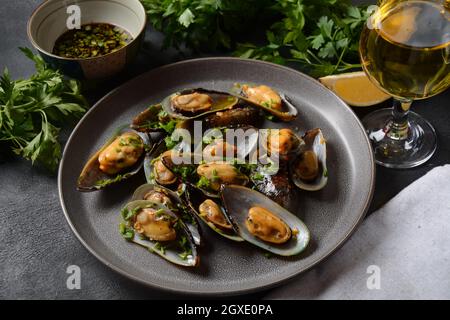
<point>37,244</point>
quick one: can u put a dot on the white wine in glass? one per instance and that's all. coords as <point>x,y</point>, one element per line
<point>405,50</point>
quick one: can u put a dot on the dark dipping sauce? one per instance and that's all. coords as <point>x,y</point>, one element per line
<point>92,40</point>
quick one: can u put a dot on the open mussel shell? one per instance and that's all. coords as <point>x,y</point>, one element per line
<point>173,202</point>
<point>312,158</point>
<point>288,111</point>
<point>92,178</point>
<point>195,198</point>
<point>218,101</point>
<point>239,200</point>
<point>181,251</point>
<point>148,119</point>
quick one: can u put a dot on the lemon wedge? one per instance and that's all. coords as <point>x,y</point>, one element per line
<point>355,88</point>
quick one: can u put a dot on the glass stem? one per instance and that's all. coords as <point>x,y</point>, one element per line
<point>398,127</point>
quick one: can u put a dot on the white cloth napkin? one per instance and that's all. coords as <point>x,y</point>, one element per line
<point>401,251</point>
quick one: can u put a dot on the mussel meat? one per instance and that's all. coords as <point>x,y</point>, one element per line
<point>262,95</point>
<point>212,212</point>
<point>155,170</point>
<point>162,174</point>
<point>173,201</point>
<point>195,103</point>
<point>155,225</point>
<point>219,173</point>
<point>192,102</point>
<point>267,226</point>
<point>267,99</point>
<point>219,150</point>
<point>309,169</point>
<point>121,157</point>
<point>281,143</point>
<point>122,153</point>
<point>158,229</point>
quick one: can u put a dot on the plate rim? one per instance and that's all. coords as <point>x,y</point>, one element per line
<point>218,293</point>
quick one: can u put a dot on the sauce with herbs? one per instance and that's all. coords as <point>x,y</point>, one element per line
<point>92,40</point>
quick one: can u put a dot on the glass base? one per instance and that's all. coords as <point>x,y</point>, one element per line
<point>418,147</point>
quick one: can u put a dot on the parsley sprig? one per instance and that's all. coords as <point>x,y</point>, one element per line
<point>32,109</point>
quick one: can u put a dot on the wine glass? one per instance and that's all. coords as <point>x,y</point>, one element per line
<point>405,51</point>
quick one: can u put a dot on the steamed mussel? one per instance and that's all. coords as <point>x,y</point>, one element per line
<point>206,176</point>
<point>216,174</point>
<point>155,170</point>
<point>173,201</point>
<point>267,99</point>
<point>239,200</point>
<point>309,170</point>
<point>211,212</point>
<point>267,226</point>
<point>120,158</point>
<point>161,173</point>
<point>155,227</point>
<point>195,103</point>
<point>282,143</point>
<point>264,223</point>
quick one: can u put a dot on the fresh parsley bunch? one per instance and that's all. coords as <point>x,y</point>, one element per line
<point>204,25</point>
<point>31,111</point>
<point>320,35</point>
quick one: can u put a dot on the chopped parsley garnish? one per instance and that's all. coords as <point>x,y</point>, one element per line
<point>268,104</point>
<point>137,143</point>
<point>215,176</point>
<point>160,213</point>
<point>128,214</point>
<point>184,255</point>
<point>170,143</point>
<point>186,172</point>
<point>168,127</point>
<point>258,176</point>
<point>185,246</point>
<point>245,168</point>
<point>106,182</point>
<point>183,241</point>
<point>158,246</point>
<point>203,183</point>
<point>126,232</point>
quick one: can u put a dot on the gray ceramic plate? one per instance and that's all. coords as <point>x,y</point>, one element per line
<point>226,267</point>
